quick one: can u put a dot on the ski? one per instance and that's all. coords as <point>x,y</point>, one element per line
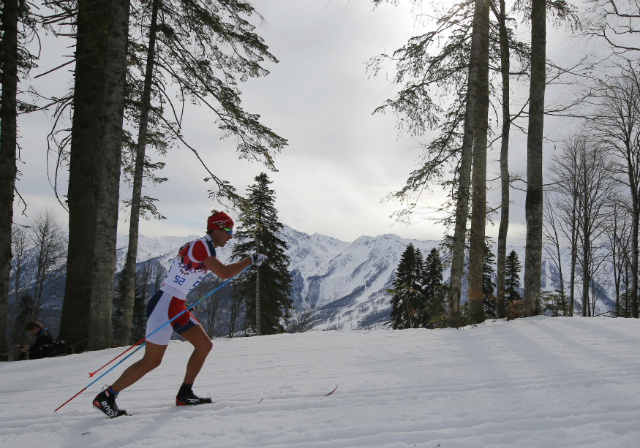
<point>241,400</point>
<point>286,398</point>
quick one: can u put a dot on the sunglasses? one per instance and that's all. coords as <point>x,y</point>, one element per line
<point>229,231</point>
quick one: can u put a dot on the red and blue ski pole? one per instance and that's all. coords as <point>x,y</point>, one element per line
<point>97,379</point>
<point>141,342</point>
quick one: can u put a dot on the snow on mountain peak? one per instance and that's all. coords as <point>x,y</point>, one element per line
<point>344,282</point>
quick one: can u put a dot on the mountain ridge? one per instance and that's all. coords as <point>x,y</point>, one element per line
<point>345,283</point>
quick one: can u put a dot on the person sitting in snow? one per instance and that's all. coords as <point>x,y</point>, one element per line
<point>194,260</point>
<point>43,345</point>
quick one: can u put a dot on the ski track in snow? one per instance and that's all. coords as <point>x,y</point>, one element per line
<point>537,382</point>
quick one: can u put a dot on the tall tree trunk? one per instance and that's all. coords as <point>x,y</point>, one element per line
<point>92,25</point>
<point>129,275</point>
<point>559,255</point>
<point>634,253</point>
<point>258,311</point>
<point>586,242</point>
<point>462,202</point>
<point>504,162</point>
<point>586,276</point>
<point>479,182</point>
<point>534,202</point>
<point>614,258</point>
<point>8,136</point>
<point>574,249</point>
<point>626,288</point>
<point>258,307</point>
<point>109,177</point>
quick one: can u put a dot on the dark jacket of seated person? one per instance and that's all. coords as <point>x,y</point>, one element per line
<point>43,345</point>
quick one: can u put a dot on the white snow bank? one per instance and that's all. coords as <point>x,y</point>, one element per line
<point>538,382</point>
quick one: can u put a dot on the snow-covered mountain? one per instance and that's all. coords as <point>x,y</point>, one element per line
<point>348,290</point>
<point>344,282</point>
<point>149,248</point>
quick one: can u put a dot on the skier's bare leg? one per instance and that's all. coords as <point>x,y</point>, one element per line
<point>152,358</point>
<point>202,346</point>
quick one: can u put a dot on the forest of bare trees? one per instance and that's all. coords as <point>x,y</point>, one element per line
<point>591,175</point>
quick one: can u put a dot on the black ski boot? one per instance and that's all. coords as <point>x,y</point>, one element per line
<point>106,402</point>
<point>186,397</point>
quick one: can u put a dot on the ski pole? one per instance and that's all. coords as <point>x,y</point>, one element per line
<point>97,379</point>
<point>170,320</point>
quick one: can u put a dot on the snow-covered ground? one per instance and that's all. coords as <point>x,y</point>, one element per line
<point>537,382</point>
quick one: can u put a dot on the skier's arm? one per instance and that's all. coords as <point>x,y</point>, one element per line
<point>225,271</point>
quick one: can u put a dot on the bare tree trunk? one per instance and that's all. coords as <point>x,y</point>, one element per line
<point>258,307</point>
<point>574,252</point>
<point>479,189</point>
<point>534,202</point>
<point>635,218</point>
<point>615,243</point>
<point>109,176</point>
<point>585,218</point>
<point>129,273</point>
<point>626,288</point>
<point>84,160</point>
<point>258,320</point>
<point>462,203</point>
<point>8,144</point>
<point>554,238</point>
<point>504,163</point>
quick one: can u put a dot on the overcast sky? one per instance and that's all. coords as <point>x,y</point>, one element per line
<point>341,160</point>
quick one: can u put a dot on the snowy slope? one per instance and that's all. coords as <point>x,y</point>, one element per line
<point>538,382</point>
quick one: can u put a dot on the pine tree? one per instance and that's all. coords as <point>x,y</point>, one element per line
<point>407,291</point>
<point>17,29</point>
<point>266,288</point>
<point>432,309</point>
<point>512,277</point>
<point>488,287</point>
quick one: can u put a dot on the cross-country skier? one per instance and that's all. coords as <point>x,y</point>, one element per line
<point>192,263</point>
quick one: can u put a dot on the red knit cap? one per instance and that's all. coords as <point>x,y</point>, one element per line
<point>218,221</point>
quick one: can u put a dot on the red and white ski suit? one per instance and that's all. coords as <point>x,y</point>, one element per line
<point>187,270</point>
